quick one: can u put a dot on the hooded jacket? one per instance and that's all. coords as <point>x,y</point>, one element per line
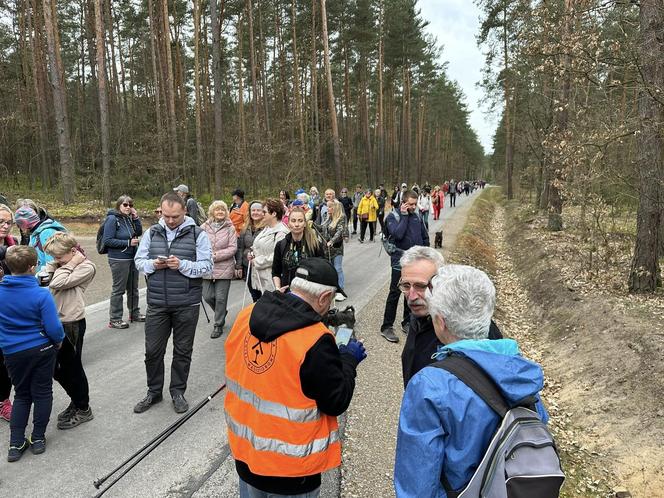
<point>119,229</point>
<point>263,247</point>
<point>28,317</point>
<point>4,269</point>
<point>38,237</point>
<point>445,426</point>
<point>326,376</point>
<point>223,242</point>
<point>368,206</point>
<point>68,284</point>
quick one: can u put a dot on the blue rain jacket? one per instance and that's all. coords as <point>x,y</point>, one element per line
<point>444,425</point>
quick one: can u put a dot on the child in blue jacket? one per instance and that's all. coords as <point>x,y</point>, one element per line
<point>30,336</point>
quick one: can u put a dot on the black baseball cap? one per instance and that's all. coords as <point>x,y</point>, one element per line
<point>319,271</point>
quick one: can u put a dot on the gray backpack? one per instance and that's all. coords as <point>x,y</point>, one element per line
<point>522,460</point>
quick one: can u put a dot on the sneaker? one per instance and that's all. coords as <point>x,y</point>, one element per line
<point>180,404</point>
<point>77,418</point>
<point>361,241</point>
<point>16,452</point>
<point>6,409</point>
<point>339,297</point>
<point>118,324</point>
<point>389,334</point>
<point>137,318</point>
<point>67,412</point>
<point>216,332</point>
<point>146,403</point>
<point>38,446</point>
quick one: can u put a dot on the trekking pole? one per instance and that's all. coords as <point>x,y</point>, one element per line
<point>246,283</point>
<point>151,445</point>
<point>205,311</point>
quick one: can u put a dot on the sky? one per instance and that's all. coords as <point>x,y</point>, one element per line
<point>455,23</point>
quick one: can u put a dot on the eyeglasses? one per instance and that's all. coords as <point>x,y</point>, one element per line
<point>6,223</point>
<point>157,211</point>
<point>419,287</point>
<point>127,205</point>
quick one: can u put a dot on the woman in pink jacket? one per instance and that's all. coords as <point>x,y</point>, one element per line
<point>223,240</point>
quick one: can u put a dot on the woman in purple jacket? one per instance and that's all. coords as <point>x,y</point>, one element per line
<point>223,240</point>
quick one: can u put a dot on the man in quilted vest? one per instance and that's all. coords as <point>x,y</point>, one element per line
<point>174,254</point>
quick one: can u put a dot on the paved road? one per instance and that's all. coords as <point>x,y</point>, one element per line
<point>194,462</point>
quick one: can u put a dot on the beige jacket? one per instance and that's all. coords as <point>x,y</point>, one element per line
<point>68,283</point>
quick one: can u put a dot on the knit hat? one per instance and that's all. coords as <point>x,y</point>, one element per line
<point>26,218</point>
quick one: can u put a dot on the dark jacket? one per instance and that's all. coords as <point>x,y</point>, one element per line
<point>287,257</point>
<point>244,242</point>
<point>326,376</point>
<point>347,203</point>
<point>405,231</point>
<point>119,229</point>
<point>422,344</point>
<point>181,287</point>
<point>4,269</point>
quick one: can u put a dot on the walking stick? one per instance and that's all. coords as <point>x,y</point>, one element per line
<point>151,445</point>
<point>246,283</point>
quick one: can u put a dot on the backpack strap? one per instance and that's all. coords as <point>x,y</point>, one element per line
<point>468,372</point>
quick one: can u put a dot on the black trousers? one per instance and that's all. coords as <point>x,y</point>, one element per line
<point>5,381</point>
<point>363,229</point>
<point>381,221</point>
<point>355,218</point>
<point>393,301</point>
<point>452,200</point>
<point>69,370</point>
<point>31,371</point>
<point>159,324</point>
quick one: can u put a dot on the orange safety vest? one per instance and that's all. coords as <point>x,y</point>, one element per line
<point>272,426</point>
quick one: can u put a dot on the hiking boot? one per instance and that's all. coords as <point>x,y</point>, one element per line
<point>38,446</point>
<point>389,334</point>
<point>6,409</point>
<point>16,452</point>
<point>146,403</point>
<point>118,324</point>
<point>67,412</point>
<point>77,418</point>
<point>339,297</point>
<point>137,318</point>
<point>180,404</point>
<point>216,332</point>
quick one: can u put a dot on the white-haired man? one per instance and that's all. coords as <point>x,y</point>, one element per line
<point>287,383</point>
<point>418,265</point>
<point>444,426</point>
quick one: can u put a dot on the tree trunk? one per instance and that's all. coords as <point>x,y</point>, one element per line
<point>170,89</point>
<point>103,103</point>
<point>156,58</point>
<point>216,14</point>
<point>330,97</point>
<point>644,269</point>
<point>240,78</point>
<point>509,143</point>
<point>197,93</point>
<point>67,173</point>
<point>296,77</point>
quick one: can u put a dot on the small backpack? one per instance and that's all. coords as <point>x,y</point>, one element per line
<point>101,247</point>
<point>522,460</point>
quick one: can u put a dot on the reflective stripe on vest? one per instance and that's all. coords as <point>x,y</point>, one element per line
<point>277,446</point>
<point>271,407</point>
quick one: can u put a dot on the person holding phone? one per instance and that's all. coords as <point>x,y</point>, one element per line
<point>122,230</point>
<point>175,255</point>
<point>307,378</point>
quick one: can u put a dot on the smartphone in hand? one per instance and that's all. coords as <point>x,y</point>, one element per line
<point>343,335</point>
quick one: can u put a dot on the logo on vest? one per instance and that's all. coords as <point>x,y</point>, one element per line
<point>259,356</point>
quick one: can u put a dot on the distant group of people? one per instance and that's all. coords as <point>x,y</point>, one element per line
<point>282,402</point>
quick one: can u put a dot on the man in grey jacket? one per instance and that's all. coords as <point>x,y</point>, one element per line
<point>174,255</point>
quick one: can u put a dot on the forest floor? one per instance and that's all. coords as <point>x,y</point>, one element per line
<point>601,348</point>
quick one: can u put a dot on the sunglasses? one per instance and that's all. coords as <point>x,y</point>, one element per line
<point>127,204</point>
<point>157,211</point>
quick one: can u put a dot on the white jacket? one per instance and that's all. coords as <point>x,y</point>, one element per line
<point>263,248</point>
<point>424,202</point>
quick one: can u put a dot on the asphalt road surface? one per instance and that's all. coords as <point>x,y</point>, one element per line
<point>194,461</point>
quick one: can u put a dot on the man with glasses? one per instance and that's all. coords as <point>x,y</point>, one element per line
<point>406,229</point>
<point>174,254</point>
<point>418,266</point>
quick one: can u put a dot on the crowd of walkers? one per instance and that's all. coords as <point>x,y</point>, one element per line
<point>289,252</point>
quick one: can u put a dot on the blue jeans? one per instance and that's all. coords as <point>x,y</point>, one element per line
<point>338,265</point>
<point>248,491</point>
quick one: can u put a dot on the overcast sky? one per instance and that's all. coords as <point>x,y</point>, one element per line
<point>455,23</point>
